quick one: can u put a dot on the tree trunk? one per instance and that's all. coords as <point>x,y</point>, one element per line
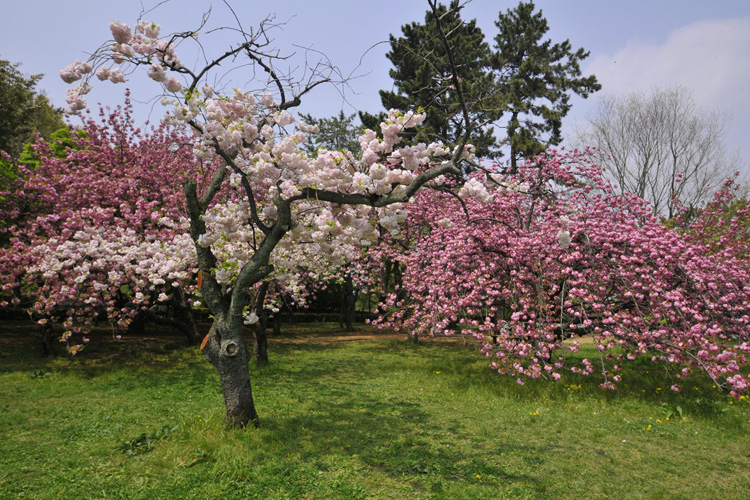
<point>512,127</point>
<point>48,349</point>
<point>277,323</point>
<point>181,318</point>
<point>348,303</point>
<point>386,281</point>
<point>137,327</point>
<point>183,315</point>
<point>260,347</point>
<point>398,280</point>
<point>226,350</point>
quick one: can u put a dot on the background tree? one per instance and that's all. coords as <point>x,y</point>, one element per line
<point>536,79</point>
<point>723,225</point>
<point>661,147</point>
<point>25,110</point>
<point>555,254</point>
<point>337,133</point>
<point>527,80</point>
<point>422,77</point>
<point>98,228</point>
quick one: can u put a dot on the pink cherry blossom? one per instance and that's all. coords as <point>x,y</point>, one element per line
<point>148,28</point>
<point>173,84</point>
<point>120,32</point>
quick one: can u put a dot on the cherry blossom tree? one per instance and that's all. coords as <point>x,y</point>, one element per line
<point>282,191</point>
<point>100,229</point>
<point>558,255</point>
<point>723,224</point>
<point>101,232</point>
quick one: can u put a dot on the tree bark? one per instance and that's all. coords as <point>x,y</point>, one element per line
<point>48,349</point>
<point>137,327</point>
<point>277,323</point>
<point>348,303</point>
<point>260,347</point>
<point>183,315</point>
<point>182,318</point>
<point>398,281</point>
<point>226,351</point>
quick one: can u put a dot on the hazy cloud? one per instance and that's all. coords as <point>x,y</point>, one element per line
<point>710,57</point>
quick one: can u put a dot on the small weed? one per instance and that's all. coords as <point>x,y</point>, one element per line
<point>145,442</point>
<point>671,410</point>
<point>706,406</point>
<point>199,456</point>
<point>39,374</point>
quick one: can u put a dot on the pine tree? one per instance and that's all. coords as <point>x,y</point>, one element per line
<point>536,79</point>
<point>526,81</point>
<point>335,133</point>
<point>423,79</point>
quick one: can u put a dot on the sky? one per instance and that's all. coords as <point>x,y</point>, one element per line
<point>635,45</point>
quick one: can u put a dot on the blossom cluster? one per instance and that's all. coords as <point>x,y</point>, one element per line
<point>99,231</point>
<point>139,45</point>
<point>537,267</point>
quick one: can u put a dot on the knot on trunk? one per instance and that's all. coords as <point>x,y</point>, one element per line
<point>230,348</point>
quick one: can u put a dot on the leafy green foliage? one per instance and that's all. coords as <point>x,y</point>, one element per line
<point>145,441</point>
<point>524,85</point>
<point>536,78</point>
<point>25,110</point>
<point>59,142</point>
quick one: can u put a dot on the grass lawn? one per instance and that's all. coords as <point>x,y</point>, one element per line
<point>351,420</point>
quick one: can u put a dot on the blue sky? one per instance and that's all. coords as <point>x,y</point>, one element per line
<point>634,45</point>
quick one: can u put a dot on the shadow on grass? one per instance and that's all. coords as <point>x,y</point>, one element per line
<point>643,381</point>
<point>390,435</point>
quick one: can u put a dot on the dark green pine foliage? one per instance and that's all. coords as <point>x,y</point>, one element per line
<point>337,133</point>
<point>537,79</point>
<point>422,78</point>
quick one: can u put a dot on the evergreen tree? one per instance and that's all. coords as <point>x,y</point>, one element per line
<point>423,78</point>
<point>25,110</point>
<point>536,79</point>
<point>527,81</point>
<point>335,133</point>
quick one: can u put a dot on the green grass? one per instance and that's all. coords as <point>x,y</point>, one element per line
<point>357,420</point>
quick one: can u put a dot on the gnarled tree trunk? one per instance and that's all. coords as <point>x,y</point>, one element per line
<point>227,352</point>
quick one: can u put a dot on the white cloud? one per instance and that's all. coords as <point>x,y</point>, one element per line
<point>711,57</point>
